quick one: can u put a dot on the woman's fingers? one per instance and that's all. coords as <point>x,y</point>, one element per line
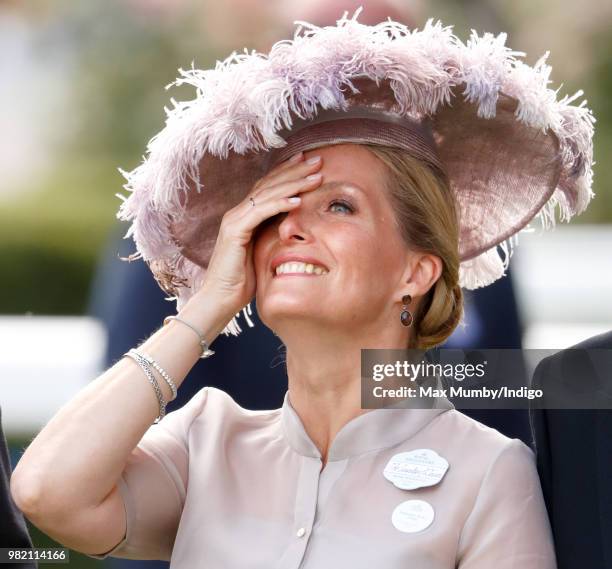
<point>295,159</point>
<point>290,172</point>
<point>284,190</point>
<point>274,194</point>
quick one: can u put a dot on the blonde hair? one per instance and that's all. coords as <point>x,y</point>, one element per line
<point>426,216</point>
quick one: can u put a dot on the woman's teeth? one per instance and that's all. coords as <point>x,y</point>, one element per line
<point>294,267</point>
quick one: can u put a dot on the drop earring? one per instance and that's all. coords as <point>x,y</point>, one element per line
<point>406,316</point>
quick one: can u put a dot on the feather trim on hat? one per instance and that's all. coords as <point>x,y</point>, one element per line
<point>244,102</point>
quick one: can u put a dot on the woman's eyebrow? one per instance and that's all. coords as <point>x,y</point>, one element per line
<point>351,186</point>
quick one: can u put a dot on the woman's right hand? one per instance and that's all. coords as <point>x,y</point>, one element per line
<point>231,274</point>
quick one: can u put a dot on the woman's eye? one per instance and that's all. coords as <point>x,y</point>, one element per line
<point>341,204</point>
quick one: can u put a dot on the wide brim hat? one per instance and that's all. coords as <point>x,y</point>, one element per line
<point>511,151</point>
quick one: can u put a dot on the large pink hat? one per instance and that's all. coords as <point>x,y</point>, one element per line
<point>511,150</point>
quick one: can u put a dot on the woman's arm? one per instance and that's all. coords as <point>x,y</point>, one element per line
<point>66,481</point>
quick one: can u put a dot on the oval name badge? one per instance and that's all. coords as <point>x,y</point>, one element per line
<point>412,516</point>
<point>415,469</point>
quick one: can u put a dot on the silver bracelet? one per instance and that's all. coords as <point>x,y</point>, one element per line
<point>161,371</point>
<point>206,351</point>
<point>158,392</point>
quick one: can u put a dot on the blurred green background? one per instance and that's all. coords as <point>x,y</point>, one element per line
<point>82,90</point>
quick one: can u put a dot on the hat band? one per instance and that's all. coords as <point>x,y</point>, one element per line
<point>361,126</point>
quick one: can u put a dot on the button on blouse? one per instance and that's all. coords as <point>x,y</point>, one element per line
<point>214,485</point>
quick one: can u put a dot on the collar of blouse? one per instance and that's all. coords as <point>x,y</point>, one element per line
<point>370,431</point>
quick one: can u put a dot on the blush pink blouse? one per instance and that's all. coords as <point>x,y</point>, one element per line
<point>214,486</point>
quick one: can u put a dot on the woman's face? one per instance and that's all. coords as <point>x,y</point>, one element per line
<point>345,226</point>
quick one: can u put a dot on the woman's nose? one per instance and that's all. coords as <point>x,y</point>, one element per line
<point>293,225</point>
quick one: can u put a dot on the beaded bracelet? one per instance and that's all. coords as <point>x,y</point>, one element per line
<point>158,392</point>
<point>161,371</point>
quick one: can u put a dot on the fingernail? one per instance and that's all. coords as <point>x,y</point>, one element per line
<point>295,157</point>
<point>295,199</point>
<point>313,177</point>
<point>313,160</point>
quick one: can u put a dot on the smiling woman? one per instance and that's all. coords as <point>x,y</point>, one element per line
<point>378,211</point>
<point>333,181</point>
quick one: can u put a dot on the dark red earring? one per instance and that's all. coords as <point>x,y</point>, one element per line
<point>406,316</point>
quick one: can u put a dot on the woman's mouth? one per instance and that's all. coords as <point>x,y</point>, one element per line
<point>297,268</point>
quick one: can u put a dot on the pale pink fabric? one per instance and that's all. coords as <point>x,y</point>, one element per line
<point>216,486</point>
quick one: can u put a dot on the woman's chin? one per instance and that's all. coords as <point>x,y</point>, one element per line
<point>290,300</point>
<point>295,308</point>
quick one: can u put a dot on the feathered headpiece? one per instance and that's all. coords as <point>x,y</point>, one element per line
<point>511,150</point>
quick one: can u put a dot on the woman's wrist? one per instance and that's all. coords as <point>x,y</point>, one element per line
<point>209,312</point>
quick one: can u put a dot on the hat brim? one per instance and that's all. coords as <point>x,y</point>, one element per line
<point>502,171</point>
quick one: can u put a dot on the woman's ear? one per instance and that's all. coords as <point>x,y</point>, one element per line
<point>422,272</point>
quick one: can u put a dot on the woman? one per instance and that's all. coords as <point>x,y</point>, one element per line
<point>362,230</point>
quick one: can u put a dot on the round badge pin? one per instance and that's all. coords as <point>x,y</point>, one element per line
<point>412,516</point>
<point>415,469</point>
